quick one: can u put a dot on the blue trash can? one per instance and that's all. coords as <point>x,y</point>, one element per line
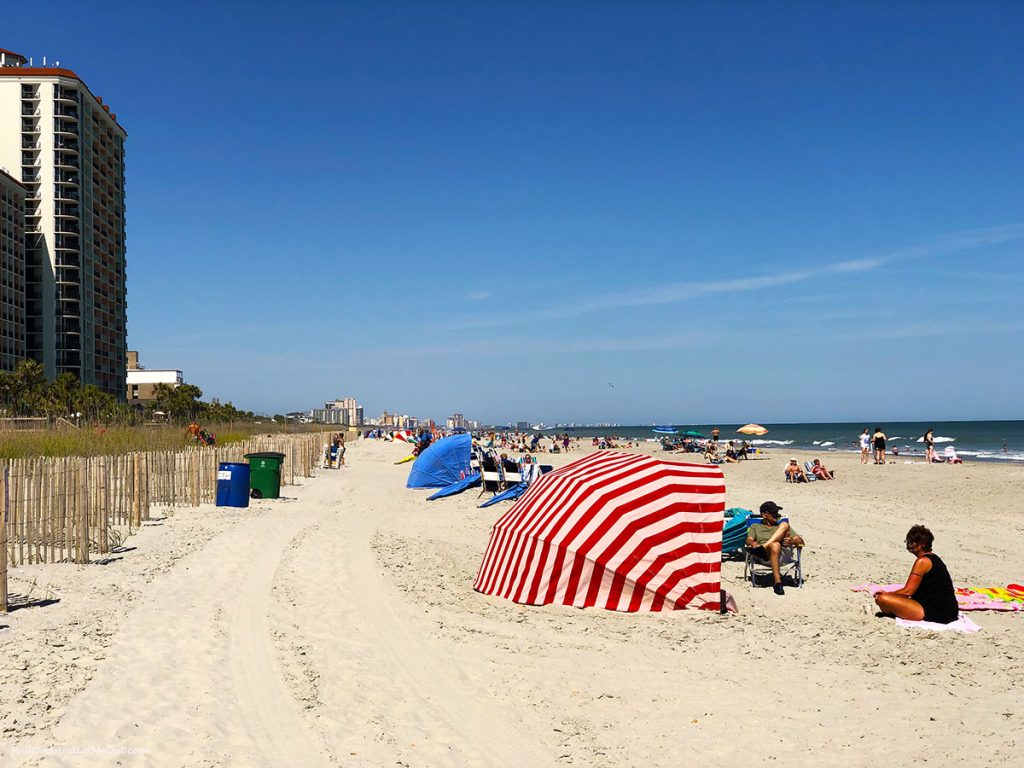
<point>232,484</point>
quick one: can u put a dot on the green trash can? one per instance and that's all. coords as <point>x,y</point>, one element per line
<point>265,474</point>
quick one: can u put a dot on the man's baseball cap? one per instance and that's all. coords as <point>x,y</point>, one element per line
<point>771,507</point>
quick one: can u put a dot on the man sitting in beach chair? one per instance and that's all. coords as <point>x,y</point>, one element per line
<point>794,473</point>
<point>774,542</point>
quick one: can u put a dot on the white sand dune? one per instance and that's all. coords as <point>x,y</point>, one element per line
<point>339,627</point>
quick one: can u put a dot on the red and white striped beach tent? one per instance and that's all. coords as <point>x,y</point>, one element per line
<point>405,435</point>
<point>620,531</point>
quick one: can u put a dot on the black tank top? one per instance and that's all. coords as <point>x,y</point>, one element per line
<point>936,594</point>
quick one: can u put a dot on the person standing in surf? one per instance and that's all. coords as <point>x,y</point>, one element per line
<point>865,446</point>
<point>929,446</point>
<point>879,441</point>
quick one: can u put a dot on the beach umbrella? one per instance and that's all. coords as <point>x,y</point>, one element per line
<point>620,531</point>
<point>752,429</point>
<point>692,433</point>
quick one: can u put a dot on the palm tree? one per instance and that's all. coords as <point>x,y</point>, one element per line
<point>30,382</point>
<point>61,395</point>
<point>8,392</point>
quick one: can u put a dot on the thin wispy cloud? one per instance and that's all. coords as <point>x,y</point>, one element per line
<point>521,346</point>
<point>478,295</point>
<point>678,292</point>
<point>958,327</point>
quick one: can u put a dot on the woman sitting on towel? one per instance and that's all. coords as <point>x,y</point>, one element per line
<point>928,594</point>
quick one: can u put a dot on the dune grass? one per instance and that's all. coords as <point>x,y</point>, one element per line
<point>109,441</point>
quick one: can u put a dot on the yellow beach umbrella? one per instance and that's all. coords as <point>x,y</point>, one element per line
<point>752,429</point>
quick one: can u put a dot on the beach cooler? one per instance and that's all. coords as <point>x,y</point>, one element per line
<point>265,474</point>
<point>232,484</point>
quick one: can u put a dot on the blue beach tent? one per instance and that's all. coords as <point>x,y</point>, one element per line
<point>454,488</point>
<point>443,463</point>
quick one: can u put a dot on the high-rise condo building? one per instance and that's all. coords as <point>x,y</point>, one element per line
<point>12,271</point>
<point>69,149</point>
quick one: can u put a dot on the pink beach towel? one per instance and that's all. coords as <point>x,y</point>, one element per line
<point>962,624</point>
<point>968,598</point>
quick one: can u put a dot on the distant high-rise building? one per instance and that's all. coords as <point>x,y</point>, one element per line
<point>69,148</point>
<point>12,271</point>
<point>348,411</point>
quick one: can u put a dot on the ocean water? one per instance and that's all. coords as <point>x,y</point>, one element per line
<point>979,440</point>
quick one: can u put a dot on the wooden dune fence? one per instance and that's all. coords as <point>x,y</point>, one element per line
<point>70,508</point>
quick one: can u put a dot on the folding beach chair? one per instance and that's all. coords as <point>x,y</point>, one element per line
<point>790,565</point>
<point>950,455</point>
<point>491,478</point>
<point>510,478</point>
<point>734,532</point>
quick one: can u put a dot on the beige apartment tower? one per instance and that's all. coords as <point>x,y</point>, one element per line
<point>69,150</point>
<point>12,271</point>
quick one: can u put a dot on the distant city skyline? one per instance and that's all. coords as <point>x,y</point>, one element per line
<point>640,213</point>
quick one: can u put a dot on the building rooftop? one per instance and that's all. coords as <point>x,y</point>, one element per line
<point>20,70</point>
<point>4,172</point>
<point>12,54</point>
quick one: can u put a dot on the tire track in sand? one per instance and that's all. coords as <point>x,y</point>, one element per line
<point>195,662</point>
<point>402,684</point>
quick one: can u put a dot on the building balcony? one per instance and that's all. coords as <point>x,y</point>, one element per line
<point>66,112</point>
<point>67,178</point>
<point>30,110</point>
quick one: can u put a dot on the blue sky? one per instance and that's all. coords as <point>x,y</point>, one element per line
<point>570,211</point>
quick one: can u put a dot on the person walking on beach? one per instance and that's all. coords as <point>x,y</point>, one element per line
<point>879,441</point>
<point>341,449</point>
<point>928,594</point>
<point>929,446</point>
<point>865,446</point>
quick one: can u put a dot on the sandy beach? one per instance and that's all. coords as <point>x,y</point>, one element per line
<point>339,627</point>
